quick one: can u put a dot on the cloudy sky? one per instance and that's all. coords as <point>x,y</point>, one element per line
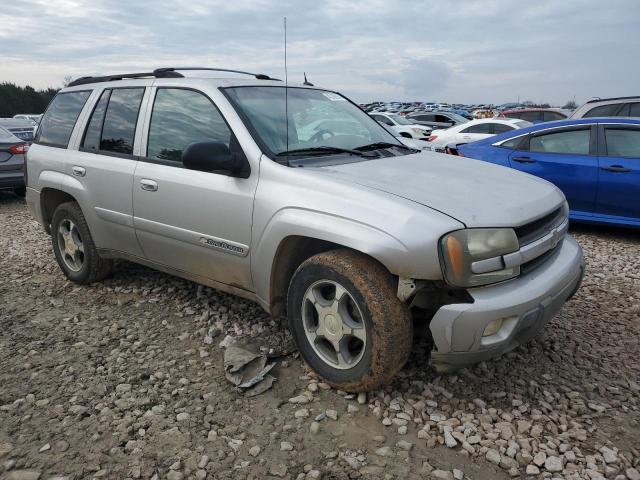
<point>455,51</point>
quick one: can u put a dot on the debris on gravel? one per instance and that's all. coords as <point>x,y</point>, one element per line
<point>125,379</point>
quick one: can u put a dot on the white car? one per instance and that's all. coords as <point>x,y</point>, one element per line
<point>473,131</point>
<point>421,145</point>
<point>401,126</point>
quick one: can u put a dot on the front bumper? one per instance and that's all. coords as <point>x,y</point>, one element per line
<point>525,304</point>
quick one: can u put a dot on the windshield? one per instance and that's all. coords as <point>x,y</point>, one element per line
<point>400,120</point>
<point>317,120</point>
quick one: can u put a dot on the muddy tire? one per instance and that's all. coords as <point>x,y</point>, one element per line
<point>73,246</point>
<point>347,321</point>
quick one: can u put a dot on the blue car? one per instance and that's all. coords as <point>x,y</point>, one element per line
<point>594,161</point>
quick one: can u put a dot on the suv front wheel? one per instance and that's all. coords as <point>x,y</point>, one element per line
<point>347,321</point>
<point>74,248</point>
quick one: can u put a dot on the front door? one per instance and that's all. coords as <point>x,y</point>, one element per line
<point>566,157</point>
<point>194,222</point>
<point>619,186</point>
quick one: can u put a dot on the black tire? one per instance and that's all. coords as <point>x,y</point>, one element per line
<point>389,328</point>
<point>94,268</point>
<point>20,191</point>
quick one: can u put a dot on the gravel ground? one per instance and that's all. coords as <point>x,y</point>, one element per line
<point>124,379</point>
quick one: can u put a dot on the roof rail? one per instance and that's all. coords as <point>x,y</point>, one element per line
<point>612,98</point>
<point>259,76</point>
<point>121,76</point>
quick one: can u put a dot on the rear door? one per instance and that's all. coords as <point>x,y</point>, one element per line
<point>566,157</point>
<point>619,161</point>
<point>194,222</point>
<point>104,166</point>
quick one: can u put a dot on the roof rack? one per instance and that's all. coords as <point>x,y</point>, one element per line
<point>612,98</point>
<point>259,76</point>
<point>167,72</point>
<point>121,76</point>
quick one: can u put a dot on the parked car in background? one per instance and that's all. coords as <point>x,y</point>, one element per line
<point>404,127</point>
<point>348,233</point>
<point>421,145</point>
<point>472,131</point>
<point>534,115</point>
<point>594,161</point>
<point>437,119</point>
<point>12,150</point>
<point>609,107</point>
<point>22,128</point>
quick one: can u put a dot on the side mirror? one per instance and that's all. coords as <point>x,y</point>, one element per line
<point>211,157</point>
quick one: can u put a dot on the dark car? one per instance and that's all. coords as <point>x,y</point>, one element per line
<point>20,127</point>
<point>594,161</point>
<point>12,150</point>
<point>534,115</point>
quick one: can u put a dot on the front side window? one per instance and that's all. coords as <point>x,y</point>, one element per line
<point>484,128</point>
<point>622,142</point>
<point>58,121</point>
<point>119,128</point>
<point>570,141</point>
<point>317,119</point>
<point>181,117</point>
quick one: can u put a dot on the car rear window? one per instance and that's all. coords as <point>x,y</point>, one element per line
<point>623,142</point>
<point>60,118</point>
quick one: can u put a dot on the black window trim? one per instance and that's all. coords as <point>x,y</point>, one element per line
<point>36,139</point>
<point>108,153</point>
<point>246,171</point>
<point>602,137</point>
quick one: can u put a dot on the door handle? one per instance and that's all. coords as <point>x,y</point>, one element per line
<point>617,169</point>
<point>78,171</point>
<point>523,160</point>
<point>148,185</point>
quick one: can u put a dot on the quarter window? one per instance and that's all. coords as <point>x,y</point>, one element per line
<point>182,117</point>
<point>499,128</point>
<point>570,141</point>
<point>623,142</point>
<point>57,123</point>
<point>120,120</point>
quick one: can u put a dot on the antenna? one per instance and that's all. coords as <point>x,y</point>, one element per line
<point>307,82</point>
<point>286,85</point>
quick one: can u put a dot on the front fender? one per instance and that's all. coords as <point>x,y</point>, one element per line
<point>294,221</point>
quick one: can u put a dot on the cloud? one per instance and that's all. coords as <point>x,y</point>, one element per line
<point>472,51</point>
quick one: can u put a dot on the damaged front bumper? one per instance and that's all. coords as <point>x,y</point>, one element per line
<point>505,315</point>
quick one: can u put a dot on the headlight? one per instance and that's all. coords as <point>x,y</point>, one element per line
<point>461,249</point>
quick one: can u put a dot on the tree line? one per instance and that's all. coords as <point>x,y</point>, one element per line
<point>15,99</point>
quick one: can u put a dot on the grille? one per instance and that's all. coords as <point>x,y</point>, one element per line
<point>540,227</point>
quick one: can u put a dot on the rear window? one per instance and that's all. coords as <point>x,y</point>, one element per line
<point>60,118</point>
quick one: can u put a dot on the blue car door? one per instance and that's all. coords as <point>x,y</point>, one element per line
<point>619,186</point>
<point>567,157</point>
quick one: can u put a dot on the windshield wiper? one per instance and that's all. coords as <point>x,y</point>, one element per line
<point>377,145</point>
<point>321,150</point>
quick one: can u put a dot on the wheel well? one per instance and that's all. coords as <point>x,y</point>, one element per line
<point>50,198</point>
<point>291,252</point>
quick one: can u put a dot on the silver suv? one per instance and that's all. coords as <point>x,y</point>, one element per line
<point>293,197</point>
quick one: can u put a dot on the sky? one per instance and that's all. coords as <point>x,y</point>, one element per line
<point>462,51</point>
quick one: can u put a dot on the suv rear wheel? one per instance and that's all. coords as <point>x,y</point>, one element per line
<point>74,248</point>
<point>347,321</point>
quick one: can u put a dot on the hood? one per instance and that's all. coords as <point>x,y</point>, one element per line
<point>473,192</point>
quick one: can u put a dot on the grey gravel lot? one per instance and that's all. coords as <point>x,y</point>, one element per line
<point>124,379</point>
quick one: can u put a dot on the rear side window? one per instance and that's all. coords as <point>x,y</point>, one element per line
<point>622,142</point>
<point>181,117</point>
<point>60,118</point>
<point>119,126</point>
<point>604,111</point>
<point>570,141</point>
<point>479,128</point>
<point>93,133</point>
<point>499,128</point>
<point>552,116</point>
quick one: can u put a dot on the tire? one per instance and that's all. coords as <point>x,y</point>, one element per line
<point>382,325</point>
<point>20,191</point>
<point>89,266</point>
